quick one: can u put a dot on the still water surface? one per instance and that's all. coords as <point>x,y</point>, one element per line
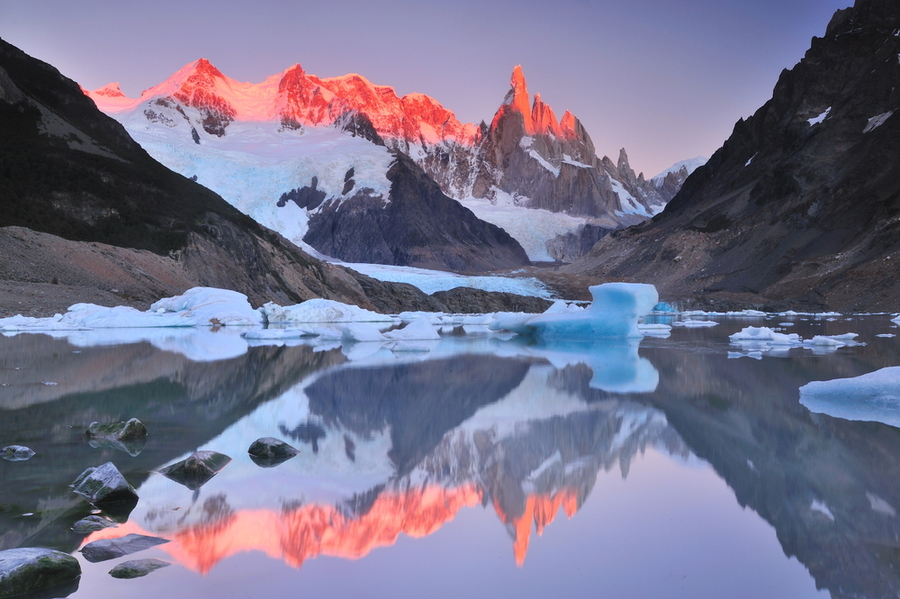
<point>484,467</point>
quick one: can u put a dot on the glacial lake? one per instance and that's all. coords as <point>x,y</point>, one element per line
<point>475,466</point>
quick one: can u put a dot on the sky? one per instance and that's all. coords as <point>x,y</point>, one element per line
<point>664,79</point>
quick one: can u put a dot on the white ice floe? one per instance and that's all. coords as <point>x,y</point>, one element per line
<point>418,330</point>
<point>200,306</point>
<point>764,336</point>
<point>693,324</point>
<point>870,397</point>
<point>320,311</point>
<point>614,312</point>
<point>766,339</point>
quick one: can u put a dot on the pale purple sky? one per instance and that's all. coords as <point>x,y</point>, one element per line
<point>664,79</point>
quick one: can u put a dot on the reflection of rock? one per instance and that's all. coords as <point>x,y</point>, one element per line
<point>33,570</point>
<point>269,451</point>
<point>16,453</point>
<point>106,549</point>
<point>197,469</point>
<point>137,568</point>
<point>418,402</point>
<point>92,523</point>
<point>792,467</point>
<point>105,487</point>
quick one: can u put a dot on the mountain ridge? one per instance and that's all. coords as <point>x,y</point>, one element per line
<point>799,207</point>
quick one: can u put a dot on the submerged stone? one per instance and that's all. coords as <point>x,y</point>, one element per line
<point>197,469</point>
<point>105,487</point>
<point>33,569</point>
<point>106,549</point>
<point>269,451</point>
<point>130,436</point>
<point>92,523</point>
<point>137,568</point>
<point>16,453</point>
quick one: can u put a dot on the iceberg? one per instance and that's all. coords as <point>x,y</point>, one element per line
<point>873,397</point>
<point>614,312</point>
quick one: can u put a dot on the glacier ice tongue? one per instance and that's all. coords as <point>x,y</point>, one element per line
<point>872,397</point>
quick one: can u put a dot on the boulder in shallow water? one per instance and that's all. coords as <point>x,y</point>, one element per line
<point>269,451</point>
<point>197,469</point>
<point>105,487</point>
<point>16,453</point>
<point>137,568</point>
<point>33,569</point>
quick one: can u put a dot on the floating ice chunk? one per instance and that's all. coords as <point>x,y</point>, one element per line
<point>417,330</point>
<point>359,331</point>
<point>764,335</point>
<point>200,306</point>
<point>658,330</point>
<point>277,334</point>
<point>887,335</point>
<point>320,311</point>
<point>872,397</point>
<point>831,342</point>
<point>614,312</point>
<point>694,323</point>
<point>756,355</point>
<point>208,306</point>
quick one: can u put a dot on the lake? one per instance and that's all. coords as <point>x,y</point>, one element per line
<point>478,465</point>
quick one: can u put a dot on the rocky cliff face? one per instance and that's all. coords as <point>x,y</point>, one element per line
<point>800,205</point>
<point>419,226</point>
<point>552,165</point>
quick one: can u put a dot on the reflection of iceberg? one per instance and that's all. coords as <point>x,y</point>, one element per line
<point>616,365</point>
<point>870,397</point>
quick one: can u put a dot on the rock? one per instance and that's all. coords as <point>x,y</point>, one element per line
<point>106,549</point>
<point>137,568</point>
<point>197,469</point>
<point>120,431</point>
<point>32,569</point>
<point>91,523</point>
<point>418,226</point>
<point>269,451</point>
<point>129,437</point>
<point>16,453</point>
<point>105,487</point>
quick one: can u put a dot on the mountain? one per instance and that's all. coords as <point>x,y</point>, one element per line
<point>309,133</point>
<point>319,146</point>
<point>89,215</point>
<point>800,205</point>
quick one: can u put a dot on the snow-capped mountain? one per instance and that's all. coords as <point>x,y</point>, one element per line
<point>322,142</point>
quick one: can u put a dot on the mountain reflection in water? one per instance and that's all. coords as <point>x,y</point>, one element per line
<point>397,445</point>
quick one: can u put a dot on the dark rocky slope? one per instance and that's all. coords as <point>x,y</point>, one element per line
<point>801,205</point>
<point>418,226</point>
